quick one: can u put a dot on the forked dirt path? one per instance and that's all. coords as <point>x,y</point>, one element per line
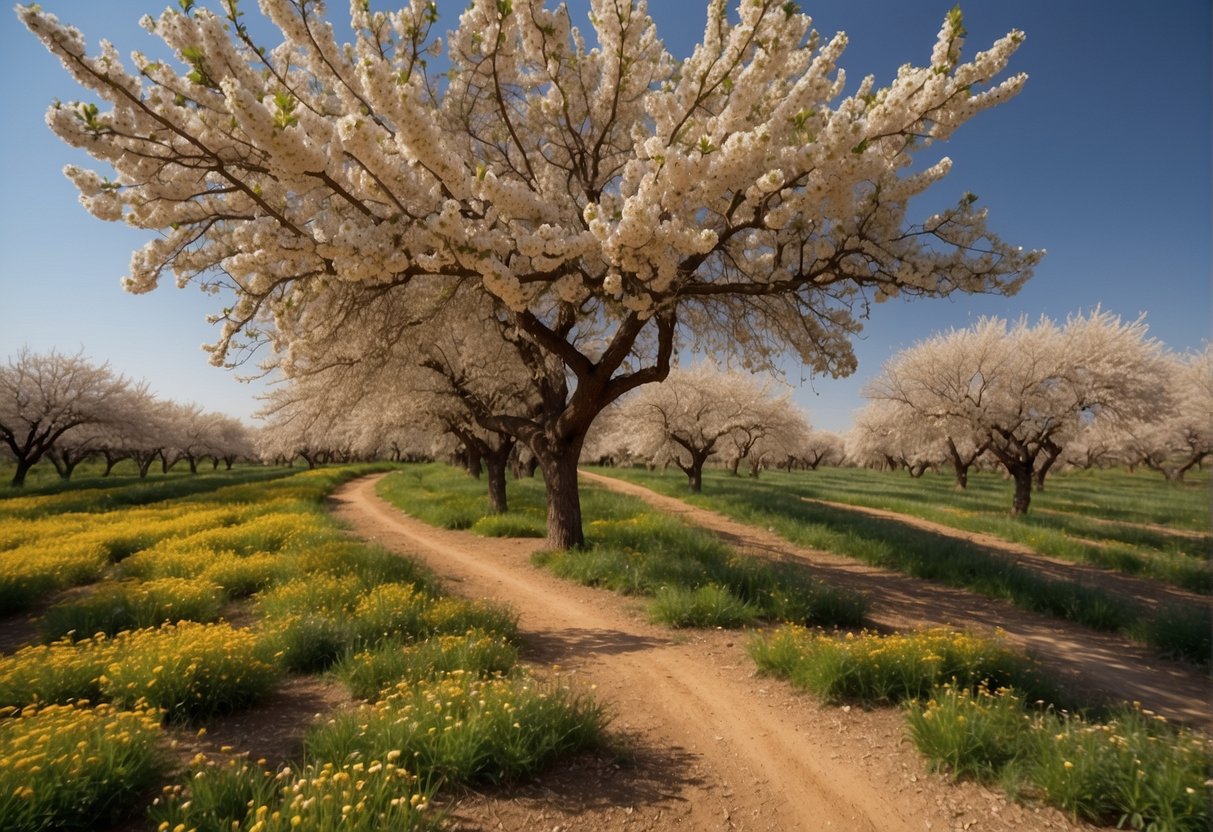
<point>1091,663</point>
<point>709,744</point>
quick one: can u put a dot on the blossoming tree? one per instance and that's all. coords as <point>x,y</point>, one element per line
<point>612,202</point>
<point>818,447</point>
<point>701,412</point>
<point>1026,389</point>
<point>45,396</point>
<point>1173,440</point>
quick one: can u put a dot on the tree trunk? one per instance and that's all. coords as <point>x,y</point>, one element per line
<point>695,478</point>
<point>69,466</point>
<point>497,466</point>
<point>1052,454</point>
<point>60,468</point>
<point>564,500</point>
<point>1022,474</point>
<point>473,462</point>
<point>733,466</point>
<point>959,466</point>
<point>23,466</point>
<point>962,475</point>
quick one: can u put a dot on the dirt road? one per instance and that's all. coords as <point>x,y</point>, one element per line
<point>707,744</point>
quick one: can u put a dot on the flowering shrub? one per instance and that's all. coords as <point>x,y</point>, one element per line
<point>55,673</point>
<point>373,795</point>
<point>73,766</point>
<point>131,604</point>
<point>189,670</point>
<point>462,728</point>
<point>34,570</point>
<point>890,668</point>
<point>1133,770</point>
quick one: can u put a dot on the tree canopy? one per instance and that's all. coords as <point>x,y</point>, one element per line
<point>612,203</point>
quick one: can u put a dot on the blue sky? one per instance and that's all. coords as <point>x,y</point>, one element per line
<point>1104,160</point>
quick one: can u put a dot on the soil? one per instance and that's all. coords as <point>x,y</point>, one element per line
<point>704,742</point>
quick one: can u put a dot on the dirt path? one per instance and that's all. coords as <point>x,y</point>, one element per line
<point>1085,574</point>
<point>1093,663</point>
<point>710,745</point>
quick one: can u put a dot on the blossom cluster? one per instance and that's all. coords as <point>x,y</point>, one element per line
<point>549,172</point>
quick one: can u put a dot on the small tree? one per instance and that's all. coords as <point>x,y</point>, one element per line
<point>694,414</point>
<point>885,435</point>
<point>819,447</point>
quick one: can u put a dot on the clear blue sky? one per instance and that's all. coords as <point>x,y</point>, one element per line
<point>1104,160</point>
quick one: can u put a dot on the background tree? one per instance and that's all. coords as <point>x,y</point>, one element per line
<point>885,435</point>
<point>44,396</point>
<point>611,202</point>
<point>128,422</point>
<point>820,447</point>
<point>1027,389</point>
<point>771,432</point>
<point>1174,439</point>
<point>696,414</point>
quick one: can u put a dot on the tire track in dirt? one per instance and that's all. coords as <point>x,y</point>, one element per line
<point>1090,663</point>
<point>716,746</point>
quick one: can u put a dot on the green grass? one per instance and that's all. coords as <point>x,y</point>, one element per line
<point>977,709</point>
<point>1132,770</point>
<point>872,668</point>
<point>465,729</point>
<point>775,503</point>
<point>451,499</point>
<point>694,579</point>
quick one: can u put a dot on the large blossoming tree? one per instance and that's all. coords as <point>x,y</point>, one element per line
<point>612,202</point>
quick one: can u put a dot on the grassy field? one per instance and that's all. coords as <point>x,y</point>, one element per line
<point>776,502</point>
<point>692,578</point>
<point>133,586</point>
<point>975,708</point>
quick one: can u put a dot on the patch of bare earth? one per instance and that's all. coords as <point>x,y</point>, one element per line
<point>706,743</point>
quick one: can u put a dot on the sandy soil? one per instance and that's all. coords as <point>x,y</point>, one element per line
<point>706,743</point>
